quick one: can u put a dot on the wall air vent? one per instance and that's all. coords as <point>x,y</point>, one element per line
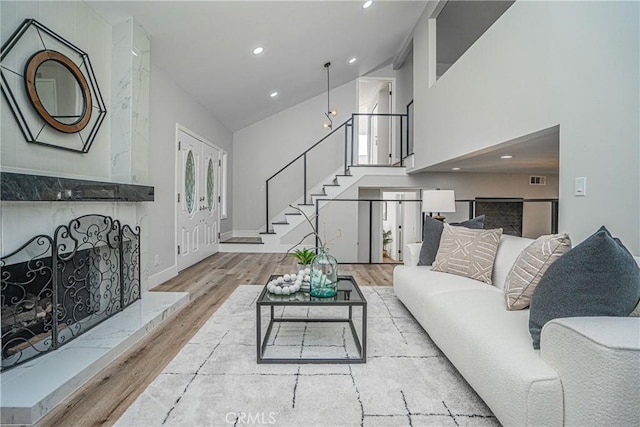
<point>537,180</point>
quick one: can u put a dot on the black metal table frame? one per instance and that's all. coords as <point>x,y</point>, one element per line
<point>262,342</point>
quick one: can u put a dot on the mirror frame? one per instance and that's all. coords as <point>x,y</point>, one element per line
<point>36,124</point>
<point>30,71</point>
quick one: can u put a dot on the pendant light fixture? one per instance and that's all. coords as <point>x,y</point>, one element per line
<point>330,112</point>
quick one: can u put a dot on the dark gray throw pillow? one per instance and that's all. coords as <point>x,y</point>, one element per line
<point>433,231</point>
<point>599,277</point>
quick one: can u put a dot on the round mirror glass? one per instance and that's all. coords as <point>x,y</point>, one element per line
<point>60,92</point>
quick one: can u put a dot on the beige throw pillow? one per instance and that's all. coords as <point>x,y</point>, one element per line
<point>466,252</point>
<point>529,267</point>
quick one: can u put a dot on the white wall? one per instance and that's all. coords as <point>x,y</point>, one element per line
<point>170,105</point>
<point>263,148</point>
<point>76,22</point>
<point>572,64</point>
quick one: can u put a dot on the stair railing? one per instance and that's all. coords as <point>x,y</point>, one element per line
<point>303,156</point>
<point>349,138</point>
<point>402,133</point>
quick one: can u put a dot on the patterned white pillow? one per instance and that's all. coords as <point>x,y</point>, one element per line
<point>531,264</point>
<point>466,252</point>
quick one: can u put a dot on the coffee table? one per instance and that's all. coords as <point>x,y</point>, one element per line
<point>349,296</point>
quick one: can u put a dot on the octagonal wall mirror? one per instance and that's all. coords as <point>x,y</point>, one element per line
<point>52,92</point>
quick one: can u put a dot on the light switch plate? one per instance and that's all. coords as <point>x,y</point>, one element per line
<point>580,188</point>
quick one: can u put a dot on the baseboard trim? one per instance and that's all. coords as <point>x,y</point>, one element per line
<point>226,235</point>
<point>162,276</point>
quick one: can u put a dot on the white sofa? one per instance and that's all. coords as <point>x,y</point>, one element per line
<point>587,372</point>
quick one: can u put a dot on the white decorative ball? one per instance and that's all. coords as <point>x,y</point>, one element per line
<point>307,278</point>
<point>301,273</point>
<point>277,290</point>
<point>307,270</point>
<point>293,277</point>
<point>270,287</point>
<point>286,277</point>
<point>299,280</point>
<point>295,288</point>
<point>280,280</point>
<point>286,290</point>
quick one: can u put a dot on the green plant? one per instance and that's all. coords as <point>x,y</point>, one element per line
<point>386,238</point>
<point>304,256</point>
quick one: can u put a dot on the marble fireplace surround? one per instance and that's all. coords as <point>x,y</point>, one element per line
<point>30,390</point>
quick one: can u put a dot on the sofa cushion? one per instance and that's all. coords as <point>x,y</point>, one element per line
<point>468,253</point>
<point>528,269</point>
<point>508,251</point>
<point>418,283</point>
<point>432,231</point>
<point>490,347</point>
<point>599,277</point>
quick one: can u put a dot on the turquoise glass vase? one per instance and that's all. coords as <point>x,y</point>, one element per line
<point>324,275</point>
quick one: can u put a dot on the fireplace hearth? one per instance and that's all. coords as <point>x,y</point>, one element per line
<point>53,289</point>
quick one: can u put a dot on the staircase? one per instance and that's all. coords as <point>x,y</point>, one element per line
<point>337,186</point>
<point>285,229</point>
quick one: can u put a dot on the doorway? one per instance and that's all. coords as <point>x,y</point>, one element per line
<point>376,133</point>
<point>198,216</point>
<point>400,223</point>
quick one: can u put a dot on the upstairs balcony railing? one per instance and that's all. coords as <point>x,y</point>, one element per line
<point>374,139</point>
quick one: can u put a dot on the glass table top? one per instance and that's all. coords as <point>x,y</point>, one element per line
<point>348,294</point>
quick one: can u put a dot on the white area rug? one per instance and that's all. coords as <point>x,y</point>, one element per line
<point>215,380</point>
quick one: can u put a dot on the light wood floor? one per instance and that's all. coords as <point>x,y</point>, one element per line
<point>107,396</point>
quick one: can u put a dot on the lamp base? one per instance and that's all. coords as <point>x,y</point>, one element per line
<point>439,217</point>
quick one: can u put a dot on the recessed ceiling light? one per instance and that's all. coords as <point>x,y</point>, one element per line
<point>367,4</point>
<point>258,50</point>
<point>352,60</point>
<point>455,169</point>
<point>506,156</point>
<point>273,94</point>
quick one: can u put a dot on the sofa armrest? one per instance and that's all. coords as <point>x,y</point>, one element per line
<point>598,360</point>
<point>411,254</point>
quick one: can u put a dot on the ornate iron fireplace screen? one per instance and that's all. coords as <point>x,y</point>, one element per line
<point>54,289</point>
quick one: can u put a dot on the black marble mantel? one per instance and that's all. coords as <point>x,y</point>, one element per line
<point>38,188</point>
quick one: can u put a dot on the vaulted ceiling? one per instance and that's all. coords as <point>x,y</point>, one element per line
<point>205,47</point>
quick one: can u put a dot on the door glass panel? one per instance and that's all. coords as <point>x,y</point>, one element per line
<point>190,182</point>
<point>210,185</point>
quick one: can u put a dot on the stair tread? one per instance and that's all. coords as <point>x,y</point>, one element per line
<point>376,166</point>
<point>293,213</point>
<point>267,232</point>
<point>243,242</point>
<point>318,194</point>
<point>280,222</point>
<point>306,204</point>
<point>331,185</point>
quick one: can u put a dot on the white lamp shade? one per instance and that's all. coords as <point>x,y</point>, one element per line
<point>438,201</point>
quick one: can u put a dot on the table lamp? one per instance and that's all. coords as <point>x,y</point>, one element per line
<point>438,201</point>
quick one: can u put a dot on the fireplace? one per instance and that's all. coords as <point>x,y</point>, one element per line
<point>501,213</point>
<point>53,289</point>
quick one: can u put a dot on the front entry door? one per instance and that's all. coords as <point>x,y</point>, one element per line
<point>197,200</point>
<point>209,208</point>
